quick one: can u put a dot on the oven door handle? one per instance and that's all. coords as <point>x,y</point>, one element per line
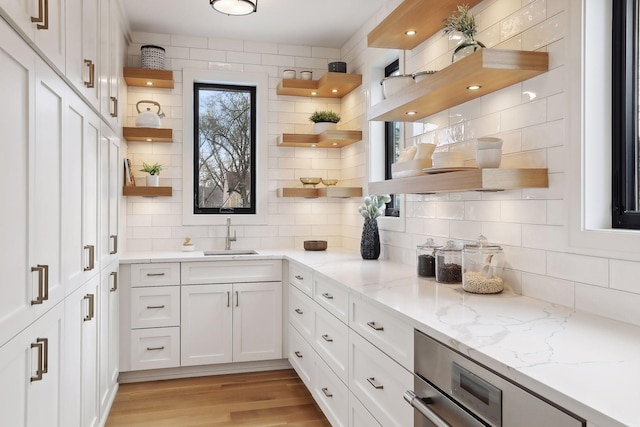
<point>419,404</point>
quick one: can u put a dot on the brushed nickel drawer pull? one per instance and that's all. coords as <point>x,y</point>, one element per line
<point>155,306</point>
<point>375,385</point>
<point>92,71</point>
<point>327,338</point>
<point>46,281</point>
<point>155,348</point>
<point>39,371</point>
<point>327,295</point>
<point>326,392</point>
<point>114,274</point>
<point>39,299</point>
<point>297,310</point>
<point>45,349</point>
<point>92,252</point>
<point>228,299</point>
<point>237,299</point>
<point>298,354</point>
<point>114,237</point>
<point>114,102</point>
<point>43,16</point>
<point>375,327</point>
<point>91,313</point>
<point>299,277</point>
<point>155,274</point>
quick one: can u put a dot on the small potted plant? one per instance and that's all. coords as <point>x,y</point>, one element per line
<point>324,120</point>
<point>464,22</point>
<point>153,180</point>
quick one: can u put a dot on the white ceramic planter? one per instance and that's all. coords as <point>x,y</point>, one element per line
<point>153,180</point>
<point>322,126</point>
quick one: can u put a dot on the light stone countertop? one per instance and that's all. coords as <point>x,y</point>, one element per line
<point>588,364</point>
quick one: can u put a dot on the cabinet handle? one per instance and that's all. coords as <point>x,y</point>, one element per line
<point>326,392</point>
<point>327,338</point>
<point>114,274</point>
<point>299,277</point>
<point>155,348</point>
<point>237,299</point>
<point>375,327</point>
<point>114,103</point>
<point>91,314</point>
<point>298,354</point>
<point>297,310</point>
<point>39,371</point>
<point>43,16</point>
<point>45,346</point>
<point>114,237</point>
<point>92,252</point>
<point>228,298</point>
<point>154,274</point>
<point>375,385</point>
<point>39,299</point>
<point>92,72</point>
<point>327,295</point>
<point>45,269</point>
<point>151,307</point>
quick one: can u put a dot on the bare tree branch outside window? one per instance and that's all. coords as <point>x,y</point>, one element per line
<point>224,162</point>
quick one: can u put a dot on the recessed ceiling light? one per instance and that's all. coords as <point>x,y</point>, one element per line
<point>149,83</point>
<point>314,145</point>
<point>335,144</point>
<point>314,93</point>
<point>149,140</point>
<point>412,113</point>
<point>334,90</point>
<point>410,32</point>
<point>474,87</point>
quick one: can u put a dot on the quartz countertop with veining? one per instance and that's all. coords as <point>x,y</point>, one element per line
<point>588,364</point>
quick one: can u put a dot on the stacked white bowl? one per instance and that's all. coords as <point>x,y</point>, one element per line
<point>488,152</point>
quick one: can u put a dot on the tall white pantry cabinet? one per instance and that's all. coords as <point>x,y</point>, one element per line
<point>61,174</point>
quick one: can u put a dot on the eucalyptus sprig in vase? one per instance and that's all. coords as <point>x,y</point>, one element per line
<point>372,209</point>
<point>464,22</point>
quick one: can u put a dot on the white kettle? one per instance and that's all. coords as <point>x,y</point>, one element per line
<point>149,119</point>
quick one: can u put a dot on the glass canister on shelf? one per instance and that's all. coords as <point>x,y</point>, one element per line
<point>426,258</point>
<point>449,263</point>
<point>483,266</point>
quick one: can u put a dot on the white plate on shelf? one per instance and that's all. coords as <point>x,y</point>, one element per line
<point>443,170</point>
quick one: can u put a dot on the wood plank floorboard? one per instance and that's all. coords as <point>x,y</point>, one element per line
<point>257,399</point>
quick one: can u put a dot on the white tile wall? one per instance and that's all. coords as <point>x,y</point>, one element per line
<point>530,117</point>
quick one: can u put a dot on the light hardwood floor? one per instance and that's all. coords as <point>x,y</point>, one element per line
<point>273,398</point>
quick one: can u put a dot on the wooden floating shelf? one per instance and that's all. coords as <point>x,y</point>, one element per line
<point>326,139</point>
<point>422,16</point>
<point>147,134</point>
<point>132,190</point>
<point>470,180</point>
<point>491,69</point>
<point>342,83</point>
<point>339,192</point>
<point>143,76</point>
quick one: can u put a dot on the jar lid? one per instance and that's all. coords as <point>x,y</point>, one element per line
<point>451,246</point>
<point>430,244</point>
<point>481,243</point>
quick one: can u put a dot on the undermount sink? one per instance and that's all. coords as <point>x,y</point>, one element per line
<point>231,252</point>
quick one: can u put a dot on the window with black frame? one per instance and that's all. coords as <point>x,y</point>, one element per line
<point>392,137</point>
<point>224,149</point>
<point>625,152</point>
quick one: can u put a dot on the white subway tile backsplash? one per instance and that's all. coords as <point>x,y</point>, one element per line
<point>610,303</point>
<point>546,288</point>
<point>578,268</point>
<point>624,275</point>
<point>524,211</point>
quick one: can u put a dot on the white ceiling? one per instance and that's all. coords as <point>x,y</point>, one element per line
<point>326,23</point>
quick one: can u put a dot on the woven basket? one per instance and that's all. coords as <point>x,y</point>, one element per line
<point>152,57</point>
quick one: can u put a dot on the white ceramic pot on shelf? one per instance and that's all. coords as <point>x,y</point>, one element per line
<point>153,180</point>
<point>323,126</point>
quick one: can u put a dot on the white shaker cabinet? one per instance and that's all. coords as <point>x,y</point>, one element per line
<point>80,194</point>
<point>82,29</point>
<point>108,334</point>
<point>109,194</point>
<point>31,281</point>
<point>112,48</point>
<point>43,21</point>
<point>30,392</point>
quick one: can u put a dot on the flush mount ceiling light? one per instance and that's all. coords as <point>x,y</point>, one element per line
<point>474,87</point>
<point>410,32</point>
<point>234,7</point>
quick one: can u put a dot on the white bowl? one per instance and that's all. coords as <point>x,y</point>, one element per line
<point>394,84</point>
<point>489,158</point>
<point>447,159</point>
<point>488,142</point>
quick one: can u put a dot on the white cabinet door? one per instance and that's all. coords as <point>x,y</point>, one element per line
<point>80,379</point>
<point>257,321</point>
<point>205,325</point>
<point>108,337</point>
<point>43,25</point>
<point>32,398</point>
<point>109,161</point>
<point>112,46</point>
<point>82,32</point>
<point>80,194</point>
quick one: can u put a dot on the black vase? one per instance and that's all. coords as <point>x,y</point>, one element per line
<point>370,241</point>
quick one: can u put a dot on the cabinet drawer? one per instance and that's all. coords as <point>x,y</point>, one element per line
<point>155,348</point>
<point>155,307</point>
<point>301,357</point>
<point>212,272</point>
<point>160,274</point>
<point>301,315</point>
<point>301,277</point>
<point>331,342</point>
<point>379,383</point>
<point>358,414</point>
<point>331,395</point>
<point>389,334</point>
<point>331,295</point>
